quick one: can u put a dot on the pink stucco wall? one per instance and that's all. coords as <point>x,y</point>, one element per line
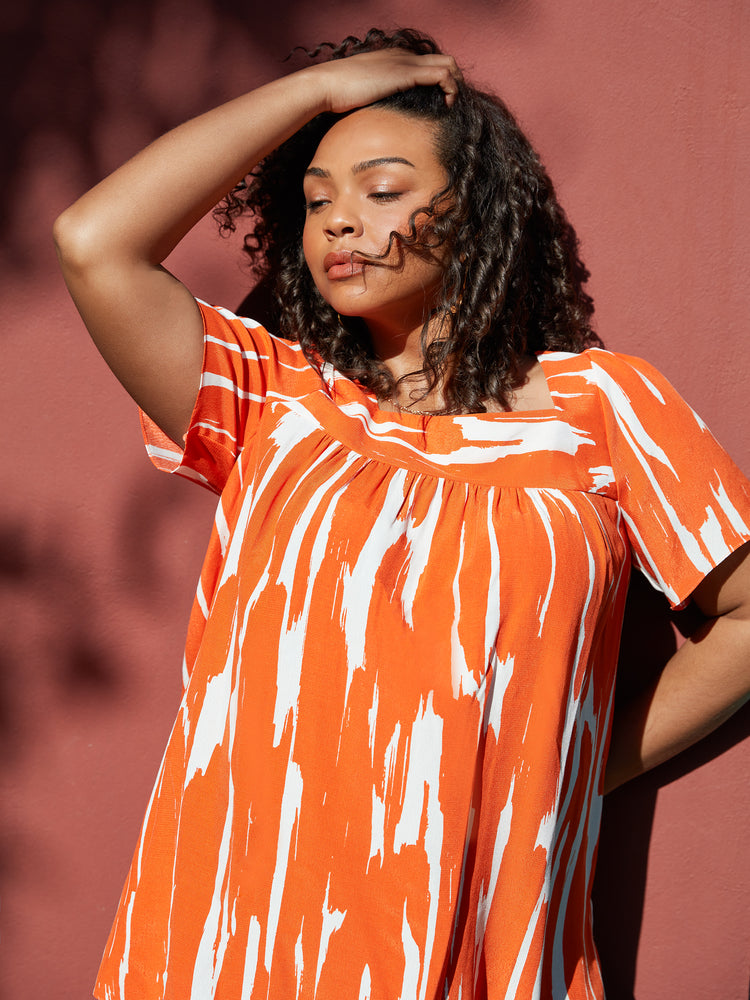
<point>641,112</point>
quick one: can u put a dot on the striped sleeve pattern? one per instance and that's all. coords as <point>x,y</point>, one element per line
<point>682,498</point>
<point>240,368</point>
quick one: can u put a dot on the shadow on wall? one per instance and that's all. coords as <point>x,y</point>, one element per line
<point>57,601</point>
<point>36,576</point>
<point>88,82</point>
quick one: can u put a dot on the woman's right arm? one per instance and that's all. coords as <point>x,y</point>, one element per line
<point>111,242</point>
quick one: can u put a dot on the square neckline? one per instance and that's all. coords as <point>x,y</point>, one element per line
<point>419,420</point>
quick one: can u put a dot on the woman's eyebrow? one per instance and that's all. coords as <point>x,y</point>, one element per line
<point>367,164</point>
<point>358,168</point>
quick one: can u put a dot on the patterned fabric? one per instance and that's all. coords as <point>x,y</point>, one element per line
<point>384,777</point>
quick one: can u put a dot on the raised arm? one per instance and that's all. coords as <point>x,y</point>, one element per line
<point>111,242</point>
<point>701,686</point>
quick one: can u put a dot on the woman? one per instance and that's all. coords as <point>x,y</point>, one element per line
<point>385,776</point>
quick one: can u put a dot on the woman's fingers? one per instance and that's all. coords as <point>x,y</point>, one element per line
<point>446,72</point>
<point>362,79</point>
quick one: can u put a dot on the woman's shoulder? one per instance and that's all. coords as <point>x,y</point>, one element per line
<point>244,357</point>
<point>611,373</point>
<point>248,337</point>
<point>593,358</point>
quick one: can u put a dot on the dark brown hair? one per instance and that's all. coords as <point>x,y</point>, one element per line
<point>513,280</point>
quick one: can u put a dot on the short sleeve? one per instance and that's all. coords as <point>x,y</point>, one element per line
<point>239,367</point>
<point>684,503</point>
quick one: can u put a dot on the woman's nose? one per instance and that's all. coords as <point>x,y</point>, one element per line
<point>342,219</point>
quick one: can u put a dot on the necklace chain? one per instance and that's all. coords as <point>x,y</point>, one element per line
<point>411,409</point>
<point>421,413</point>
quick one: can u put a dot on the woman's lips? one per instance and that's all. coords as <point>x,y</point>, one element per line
<point>339,264</point>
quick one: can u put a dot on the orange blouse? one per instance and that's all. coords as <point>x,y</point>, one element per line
<point>384,778</point>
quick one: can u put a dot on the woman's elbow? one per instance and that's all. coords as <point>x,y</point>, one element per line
<point>79,242</point>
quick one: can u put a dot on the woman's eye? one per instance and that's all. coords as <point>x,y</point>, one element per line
<point>315,204</point>
<point>385,195</point>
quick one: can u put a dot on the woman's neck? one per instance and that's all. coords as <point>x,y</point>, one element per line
<point>400,351</point>
<point>400,346</point>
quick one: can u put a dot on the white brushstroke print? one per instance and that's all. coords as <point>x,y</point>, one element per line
<point>645,451</point>
<point>495,440</point>
<point>292,638</point>
<point>537,499</point>
<point>412,963</point>
<point>423,778</point>
<point>251,958</point>
<point>332,921</point>
<point>420,546</point>
<point>502,673</point>
<point>211,724</point>
<point>290,807</point>
<point>728,509</point>
<point>358,579</point>
<point>462,679</point>
<point>486,895</point>
<point>299,959</point>
<point>365,984</point>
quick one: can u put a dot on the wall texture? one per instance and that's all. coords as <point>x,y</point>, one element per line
<point>641,113</point>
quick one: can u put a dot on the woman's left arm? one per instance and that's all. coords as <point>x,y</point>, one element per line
<point>701,686</point>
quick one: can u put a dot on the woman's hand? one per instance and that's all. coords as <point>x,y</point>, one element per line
<point>370,76</point>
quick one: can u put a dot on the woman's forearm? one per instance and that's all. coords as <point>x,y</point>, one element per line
<point>111,242</point>
<point>701,686</point>
<point>145,207</point>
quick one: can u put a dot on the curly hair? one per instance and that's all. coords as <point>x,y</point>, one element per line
<point>513,279</point>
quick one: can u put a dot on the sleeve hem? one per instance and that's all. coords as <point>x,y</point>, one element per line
<point>169,456</point>
<point>684,593</point>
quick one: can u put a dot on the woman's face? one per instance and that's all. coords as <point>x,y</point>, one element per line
<point>370,172</point>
